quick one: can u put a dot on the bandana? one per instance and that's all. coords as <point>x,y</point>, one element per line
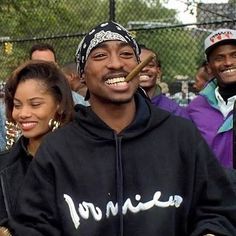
<point>101,33</point>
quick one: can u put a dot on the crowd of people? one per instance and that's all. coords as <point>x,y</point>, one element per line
<point>92,153</point>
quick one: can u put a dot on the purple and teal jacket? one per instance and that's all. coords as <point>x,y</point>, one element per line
<point>214,127</point>
<point>167,104</point>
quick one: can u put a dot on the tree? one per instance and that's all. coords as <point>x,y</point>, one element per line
<point>178,52</point>
<point>143,10</point>
<point>25,20</point>
<point>63,23</point>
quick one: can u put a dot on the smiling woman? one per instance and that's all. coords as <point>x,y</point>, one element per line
<point>33,107</point>
<point>38,100</point>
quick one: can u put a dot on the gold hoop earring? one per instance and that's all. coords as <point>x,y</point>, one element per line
<point>53,124</point>
<point>12,134</point>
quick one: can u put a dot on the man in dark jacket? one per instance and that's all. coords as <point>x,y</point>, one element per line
<point>123,167</point>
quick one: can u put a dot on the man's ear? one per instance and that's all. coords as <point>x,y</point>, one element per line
<point>68,78</point>
<point>82,79</point>
<point>208,69</point>
<point>73,76</point>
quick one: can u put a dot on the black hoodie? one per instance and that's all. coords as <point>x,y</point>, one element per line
<point>157,177</point>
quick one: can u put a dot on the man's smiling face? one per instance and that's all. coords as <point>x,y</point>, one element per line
<point>105,71</point>
<point>222,61</point>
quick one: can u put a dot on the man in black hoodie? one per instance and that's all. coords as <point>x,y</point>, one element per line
<point>123,167</point>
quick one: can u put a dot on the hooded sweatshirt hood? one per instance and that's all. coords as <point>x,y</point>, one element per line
<point>142,123</point>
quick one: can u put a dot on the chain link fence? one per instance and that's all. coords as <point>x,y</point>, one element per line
<point>63,23</point>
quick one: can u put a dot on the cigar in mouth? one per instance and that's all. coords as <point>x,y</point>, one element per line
<point>139,67</point>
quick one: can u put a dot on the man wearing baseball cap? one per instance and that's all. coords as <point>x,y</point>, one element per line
<point>212,110</point>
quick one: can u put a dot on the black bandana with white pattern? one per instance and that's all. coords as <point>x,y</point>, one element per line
<point>101,33</point>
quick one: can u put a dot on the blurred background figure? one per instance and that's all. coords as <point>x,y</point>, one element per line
<point>164,88</point>
<point>184,97</point>
<point>72,75</point>
<point>203,75</point>
<point>46,52</point>
<point>43,51</point>
<point>78,89</point>
<point>149,76</point>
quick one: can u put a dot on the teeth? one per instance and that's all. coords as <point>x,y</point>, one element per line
<point>144,77</point>
<point>120,80</point>
<point>229,70</point>
<point>27,125</point>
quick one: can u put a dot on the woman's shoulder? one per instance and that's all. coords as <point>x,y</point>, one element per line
<point>10,156</point>
<point>6,159</point>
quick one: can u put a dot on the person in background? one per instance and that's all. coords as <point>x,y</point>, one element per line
<point>46,52</point>
<point>185,96</point>
<point>203,75</point>
<point>164,88</point>
<point>42,51</point>
<point>38,100</point>
<point>72,75</point>
<point>101,173</point>
<point>148,81</point>
<point>212,111</point>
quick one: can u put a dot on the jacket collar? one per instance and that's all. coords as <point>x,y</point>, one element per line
<point>209,93</point>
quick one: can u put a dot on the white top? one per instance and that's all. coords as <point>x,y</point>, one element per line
<point>225,107</point>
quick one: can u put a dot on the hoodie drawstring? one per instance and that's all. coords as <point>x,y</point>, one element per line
<point>119,182</point>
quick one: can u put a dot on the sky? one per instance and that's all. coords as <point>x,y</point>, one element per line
<point>181,7</point>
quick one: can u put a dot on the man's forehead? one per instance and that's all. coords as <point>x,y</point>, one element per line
<point>118,43</point>
<point>221,49</point>
<point>46,55</point>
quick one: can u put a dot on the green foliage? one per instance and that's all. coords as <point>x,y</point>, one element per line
<point>141,10</point>
<point>44,20</point>
<point>23,19</point>
<point>43,17</point>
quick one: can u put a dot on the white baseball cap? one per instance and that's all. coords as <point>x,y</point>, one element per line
<point>218,37</point>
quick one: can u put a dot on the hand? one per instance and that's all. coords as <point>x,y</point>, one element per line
<point>4,232</point>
